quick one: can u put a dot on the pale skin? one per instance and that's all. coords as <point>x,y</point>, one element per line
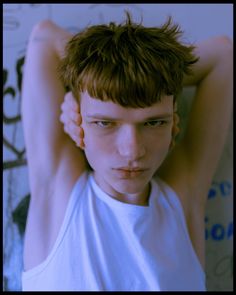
<point>55,162</point>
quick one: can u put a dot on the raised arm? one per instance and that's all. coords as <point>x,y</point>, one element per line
<point>54,162</point>
<point>42,96</point>
<point>191,166</point>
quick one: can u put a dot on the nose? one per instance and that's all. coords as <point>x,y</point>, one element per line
<point>130,144</point>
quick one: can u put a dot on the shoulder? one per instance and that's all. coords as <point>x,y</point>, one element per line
<point>191,214</point>
<point>47,214</point>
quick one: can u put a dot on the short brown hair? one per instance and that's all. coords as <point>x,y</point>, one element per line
<point>128,64</point>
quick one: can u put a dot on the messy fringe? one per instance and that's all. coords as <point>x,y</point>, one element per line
<point>127,64</point>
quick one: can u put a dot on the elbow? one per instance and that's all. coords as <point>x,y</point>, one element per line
<point>42,25</point>
<point>42,28</point>
<point>226,40</point>
<point>222,48</point>
<point>226,45</point>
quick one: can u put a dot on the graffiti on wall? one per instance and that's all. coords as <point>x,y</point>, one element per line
<point>10,92</point>
<point>217,231</point>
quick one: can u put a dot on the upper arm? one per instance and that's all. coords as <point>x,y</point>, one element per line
<point>42,95</point>
<point>54,162</point>
<point>191,166</point>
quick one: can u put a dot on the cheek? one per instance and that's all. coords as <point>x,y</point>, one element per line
<point>97,148</point>
<point>158,147</point>
<point>159,140</point>
<point>95,141</point>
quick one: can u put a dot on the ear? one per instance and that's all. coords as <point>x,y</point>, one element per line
<point>175,129</point>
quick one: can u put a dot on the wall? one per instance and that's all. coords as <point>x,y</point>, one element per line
<point>199,21</point>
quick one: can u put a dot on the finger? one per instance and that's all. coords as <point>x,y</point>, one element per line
<point>68,114</point>
<point>78,131</point>
<point>65,119</point>
<point>66,129</point>
<point>79,141</point>
<point>74,105</point>
<point>63,106</point>
<point>80,144</point>
<point>62,118</point>
<point>71,100</point>
<point>67,106</point>
<point>76,117</point>
<point>75,130</point>
<point>68,96</point>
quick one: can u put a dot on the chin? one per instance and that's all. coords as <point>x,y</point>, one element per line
<point>131,186</point>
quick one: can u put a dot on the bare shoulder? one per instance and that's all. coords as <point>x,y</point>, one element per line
<point>46,215</point>
<point>175,173</point>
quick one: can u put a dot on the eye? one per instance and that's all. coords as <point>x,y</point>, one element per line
<point>155,123</point>
<point>103,124</point>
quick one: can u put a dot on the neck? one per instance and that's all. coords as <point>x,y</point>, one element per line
<point>139,198</point>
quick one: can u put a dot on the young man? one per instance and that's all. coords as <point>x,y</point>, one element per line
<point>123,212</point>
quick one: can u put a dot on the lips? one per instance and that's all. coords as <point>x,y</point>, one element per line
<point>129,173</point>
<point>128,169</point>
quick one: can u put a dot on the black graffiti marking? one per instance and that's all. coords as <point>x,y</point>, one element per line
<point>19,67</point>
<point>14,164</point>
<point>11,91</point>
<point>19,215</point>
<point>13,149</point>
<point>19,161</point>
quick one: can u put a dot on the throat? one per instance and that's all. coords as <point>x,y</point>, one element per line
<point>140,198</point>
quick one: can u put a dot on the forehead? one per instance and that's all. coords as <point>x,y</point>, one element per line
<point>93,107</point>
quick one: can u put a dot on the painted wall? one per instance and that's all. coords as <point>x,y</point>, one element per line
<point>199,21</point>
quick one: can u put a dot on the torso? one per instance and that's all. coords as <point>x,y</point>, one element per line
<point>137,225</point>
<point>47,235</point>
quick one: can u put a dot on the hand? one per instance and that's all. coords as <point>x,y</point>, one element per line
<point>71,119</point>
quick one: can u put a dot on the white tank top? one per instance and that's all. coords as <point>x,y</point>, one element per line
<point>108,245</point>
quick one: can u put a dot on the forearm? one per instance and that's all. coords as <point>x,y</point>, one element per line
<point>210,52</point>
<point>42,90</point>
<point>51,36</point>
<point>211,111</point>
<point>41,84</point>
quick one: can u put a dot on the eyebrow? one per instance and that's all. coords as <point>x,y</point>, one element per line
<point>107,118</point>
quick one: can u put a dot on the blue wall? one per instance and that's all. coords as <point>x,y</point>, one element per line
<point>199,21</point>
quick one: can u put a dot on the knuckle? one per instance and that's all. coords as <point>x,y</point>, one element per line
<point>62,118</point>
